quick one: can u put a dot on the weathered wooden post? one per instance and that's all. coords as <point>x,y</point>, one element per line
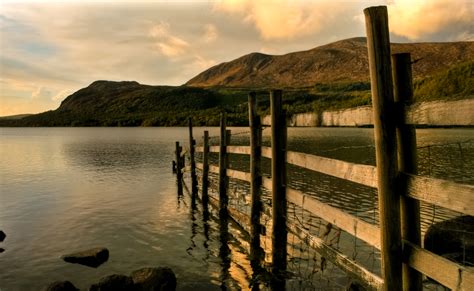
<point>192,143</point>
<point>223,180</point>
<point>279,237</point>
<point>378,45</point>
<point>179,173</point>
<point>205,170</point>
<point>407,162</point>
<point>256,252</point>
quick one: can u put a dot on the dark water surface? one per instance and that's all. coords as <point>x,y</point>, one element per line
<point>68,189</point>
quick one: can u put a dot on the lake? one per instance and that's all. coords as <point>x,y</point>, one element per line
<point>68,189</point>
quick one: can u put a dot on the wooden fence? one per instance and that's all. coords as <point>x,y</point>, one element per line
<point>398,235</point>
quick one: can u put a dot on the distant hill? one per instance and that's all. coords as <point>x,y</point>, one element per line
<point>14,117</point>
<point>128,103</point>
<point>330,77</point>
<point>342,61</point>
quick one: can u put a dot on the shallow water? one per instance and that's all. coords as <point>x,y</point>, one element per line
<point>68,189</point>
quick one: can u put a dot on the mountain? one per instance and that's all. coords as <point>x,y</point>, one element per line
<point>342,61</point>
<point>330,77</point>
<point>14,117</point>
<point>128,103</point>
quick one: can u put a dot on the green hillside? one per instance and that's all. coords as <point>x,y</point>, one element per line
<point>106,103</point>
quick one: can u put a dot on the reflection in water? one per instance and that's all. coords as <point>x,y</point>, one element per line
<point>224,250</point>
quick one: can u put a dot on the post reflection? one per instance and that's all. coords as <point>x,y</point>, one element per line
<point>224,250</point>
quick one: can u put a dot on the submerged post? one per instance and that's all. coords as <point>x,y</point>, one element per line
<point>256,252</point>
<point>223,180</point>
<point>279,237</point>
<point>407,162</point>
<point>192,143</point>
<point>378,45</point>
<point>205,170</point>
<point>179,173</point>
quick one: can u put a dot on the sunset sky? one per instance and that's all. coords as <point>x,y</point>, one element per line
<point>50,49</point>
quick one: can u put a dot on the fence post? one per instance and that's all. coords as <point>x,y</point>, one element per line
<point>256,252</point>
<point>378,45</point>
<point>223,180</point>
<point>407,162</point>
<point>279,237</point>
<point>192,143</point>
<point>205,170</point>
<point>179,173</point>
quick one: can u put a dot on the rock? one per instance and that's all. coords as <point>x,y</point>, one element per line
<point>154,279</point>
<point>2,236</point>
<point>114,282</point>
<point>2,250</point>
<point>61,286</point>
<point>453,239</point>
<point>91,258</point>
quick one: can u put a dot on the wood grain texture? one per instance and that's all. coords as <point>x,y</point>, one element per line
<point>362,174</point>
<point>448,194</point>
<point>446,272</point>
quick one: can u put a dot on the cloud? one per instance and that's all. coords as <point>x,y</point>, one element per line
<point>41,92</point>
<point>210,33</point>
<point>416,19</point>
<point>166,43</point>
<point>282,19</point>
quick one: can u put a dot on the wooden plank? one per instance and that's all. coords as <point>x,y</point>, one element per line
<point>444,271</point>
<point>199,149</point>
<point>214,149</point>
<point>367,278</point>
<point>448,194</point>
<point>244,176</point>
<point>362,174</point>
<point>267,152</point>
<point>214,169</point>
<point>199,166</point>
<point>242,150</point>
<point>384,114</point>
<point>363,230</point>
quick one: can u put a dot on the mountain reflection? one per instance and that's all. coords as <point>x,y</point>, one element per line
<point>111,156</point>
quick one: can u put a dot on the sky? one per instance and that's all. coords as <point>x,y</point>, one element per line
<point>50,49</point>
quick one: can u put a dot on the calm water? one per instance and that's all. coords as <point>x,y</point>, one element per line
<point>68,189</point>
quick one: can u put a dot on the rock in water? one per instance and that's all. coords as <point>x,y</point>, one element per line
<point>2,235</point>
<point>154,279</point>
<point>114,283</point>
<point>61,286</point>
<point>91,258</point>
<point>453,239</point>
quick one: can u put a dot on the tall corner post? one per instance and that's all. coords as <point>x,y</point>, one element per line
<point>378,45</point>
